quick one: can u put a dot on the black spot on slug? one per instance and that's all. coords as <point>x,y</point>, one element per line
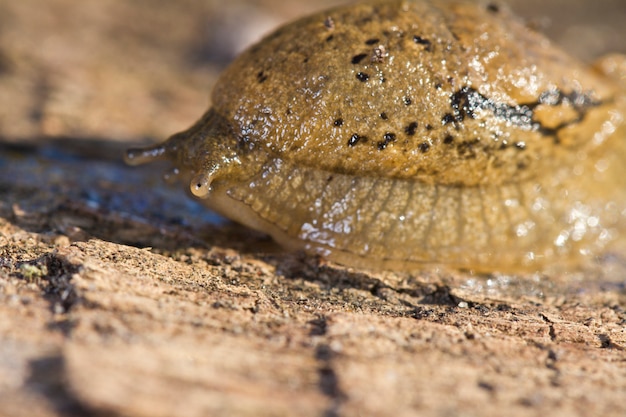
<point>429,126</point>
<point>261,77</point>
<point>407,101</point>
<point>493,8</point>
<point>330,38</point>
<point>356,138</point>
<point>410,128</point>
<point>361,76</point>
<point>448,139</point>
<point>338,122</point>
<point>423,41</point>
<point>466,101</point>
<point>447,119</point>
<point>384,116</point>
<point>358,58</point>
<point>423,147</point>
<point>387,139</point>
<point>372,41</point>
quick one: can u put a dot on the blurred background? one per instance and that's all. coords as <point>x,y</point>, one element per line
<point>140,70</point>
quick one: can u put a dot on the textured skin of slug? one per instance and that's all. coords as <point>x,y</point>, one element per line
<point>397,133</point>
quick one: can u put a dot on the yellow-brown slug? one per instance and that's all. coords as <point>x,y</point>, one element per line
<point>407,132</point>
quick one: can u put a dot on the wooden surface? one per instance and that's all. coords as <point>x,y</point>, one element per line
<point>119,296</point>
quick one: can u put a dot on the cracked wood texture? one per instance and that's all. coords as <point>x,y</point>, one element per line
<point>119,296</point>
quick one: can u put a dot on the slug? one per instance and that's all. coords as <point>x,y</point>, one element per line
<point>396,134</point>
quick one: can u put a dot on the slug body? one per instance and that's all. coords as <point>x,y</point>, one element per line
<point>398,133</point>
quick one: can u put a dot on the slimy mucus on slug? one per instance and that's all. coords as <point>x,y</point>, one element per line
<point>400,133</point>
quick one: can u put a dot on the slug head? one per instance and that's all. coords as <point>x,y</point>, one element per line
<point>207,154</point>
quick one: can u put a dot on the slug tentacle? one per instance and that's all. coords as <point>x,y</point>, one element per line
<point>140,156</point>
<point>200,184</point>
